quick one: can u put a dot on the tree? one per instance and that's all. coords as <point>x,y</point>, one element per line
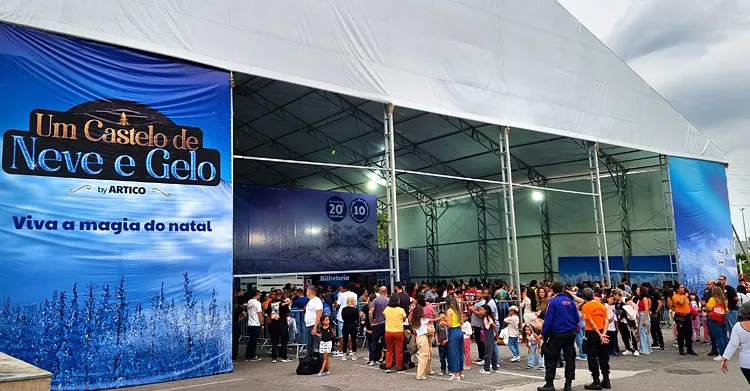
<point>124,120</point>
<point>382,229</point>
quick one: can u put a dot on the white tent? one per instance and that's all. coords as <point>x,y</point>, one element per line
<point>525,64</point>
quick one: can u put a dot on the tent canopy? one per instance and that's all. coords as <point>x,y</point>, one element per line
<point>279,120</point>
<point>527,65</point>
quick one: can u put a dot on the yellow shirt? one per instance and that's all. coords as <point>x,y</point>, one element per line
<point>394,319</point>
<point>455,320</point>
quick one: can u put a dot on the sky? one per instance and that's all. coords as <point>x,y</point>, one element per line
<point>695,54</point>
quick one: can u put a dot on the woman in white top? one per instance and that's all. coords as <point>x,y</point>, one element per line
<point>419,322</point>
<point>529,316</point>
<point>740,339</point>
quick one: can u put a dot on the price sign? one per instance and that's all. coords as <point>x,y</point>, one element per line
<point>359,210</point>
<point>336,208</point>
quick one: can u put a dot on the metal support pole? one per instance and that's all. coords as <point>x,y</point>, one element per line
<point>433,251</point>
<point>601,233</point>
<point>674,263</point>
<point>510,211</point>
<point>549,274</point>
<point>622,190</point>
<point>390,159</point>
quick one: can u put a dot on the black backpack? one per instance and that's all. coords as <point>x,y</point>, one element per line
<point>310,365</point>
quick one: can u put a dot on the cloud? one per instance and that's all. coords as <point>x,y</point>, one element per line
<point>694,53</point>
<point>693,25</point>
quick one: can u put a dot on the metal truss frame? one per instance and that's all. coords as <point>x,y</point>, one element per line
<point>398,145</point>
<point>601,231</point>
<point>666,182</point>
<point>535,177</point>
<point>618,172</point>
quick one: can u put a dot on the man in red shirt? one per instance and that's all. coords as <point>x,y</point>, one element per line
<point>470,297</point>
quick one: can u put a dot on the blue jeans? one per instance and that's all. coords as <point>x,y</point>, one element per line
<point>490,350</point>
<point>513,346</point>
<point>579,341</point>
<point>443,352</point>
<point>535,355</point>
<point>645,333</point>
<point>312,342</point>
<point>718,333</point>
<point>731,317</point>
<point>455,350</point>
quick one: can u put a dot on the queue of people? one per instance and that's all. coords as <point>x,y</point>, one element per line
<point>556,324</point>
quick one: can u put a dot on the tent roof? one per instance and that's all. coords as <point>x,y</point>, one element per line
<point>526,64</point>
<point>278,120</point>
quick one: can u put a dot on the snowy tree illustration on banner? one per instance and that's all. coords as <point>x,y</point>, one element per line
<point>99,340</point>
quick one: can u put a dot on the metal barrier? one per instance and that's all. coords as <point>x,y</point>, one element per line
<point>296,329</point>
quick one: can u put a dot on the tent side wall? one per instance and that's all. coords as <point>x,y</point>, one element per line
<point>571,227</point>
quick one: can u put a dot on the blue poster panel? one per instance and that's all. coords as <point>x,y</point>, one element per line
<point>576,269</point>
<point>115,213</point>
<point>303,231</point>
<point>703,225</point>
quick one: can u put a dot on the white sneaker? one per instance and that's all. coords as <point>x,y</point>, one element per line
<point>337,354</point>
<point>636,353</point>
<point>354,358</point>
<point>286,360</point>
<point>351,353</point>
<point>717,358</point>
<point>483,372</point>
<point>515,359</point>
<point>480,362</point>
<point>454,378</point>
<point>627,353</point>
<point>343,358</point>
<point>466,368</point>
<point>273,361</point>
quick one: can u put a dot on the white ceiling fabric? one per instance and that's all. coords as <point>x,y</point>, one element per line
<point>526,64</point>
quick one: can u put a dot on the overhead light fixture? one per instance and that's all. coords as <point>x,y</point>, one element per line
<point>374,177</point>
<point>372,185</point>
<point>537,196</point>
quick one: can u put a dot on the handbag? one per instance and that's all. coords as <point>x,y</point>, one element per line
<point>718,314</point>
<point>693,311</point>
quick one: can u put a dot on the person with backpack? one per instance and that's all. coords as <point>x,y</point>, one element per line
<point>716,309</point>
<point>628,316</point>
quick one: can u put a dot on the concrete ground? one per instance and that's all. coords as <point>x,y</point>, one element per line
<point>662,371</point>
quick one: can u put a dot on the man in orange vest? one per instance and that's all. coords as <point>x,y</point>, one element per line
<point>596,341</point>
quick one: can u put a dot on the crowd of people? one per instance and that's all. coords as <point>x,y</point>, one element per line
<point>557,324</point>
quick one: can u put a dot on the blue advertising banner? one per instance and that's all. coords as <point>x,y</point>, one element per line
<point>115,213</point>
<point>304,231</point>
<point>573,270</point>
<point>703,225</point>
